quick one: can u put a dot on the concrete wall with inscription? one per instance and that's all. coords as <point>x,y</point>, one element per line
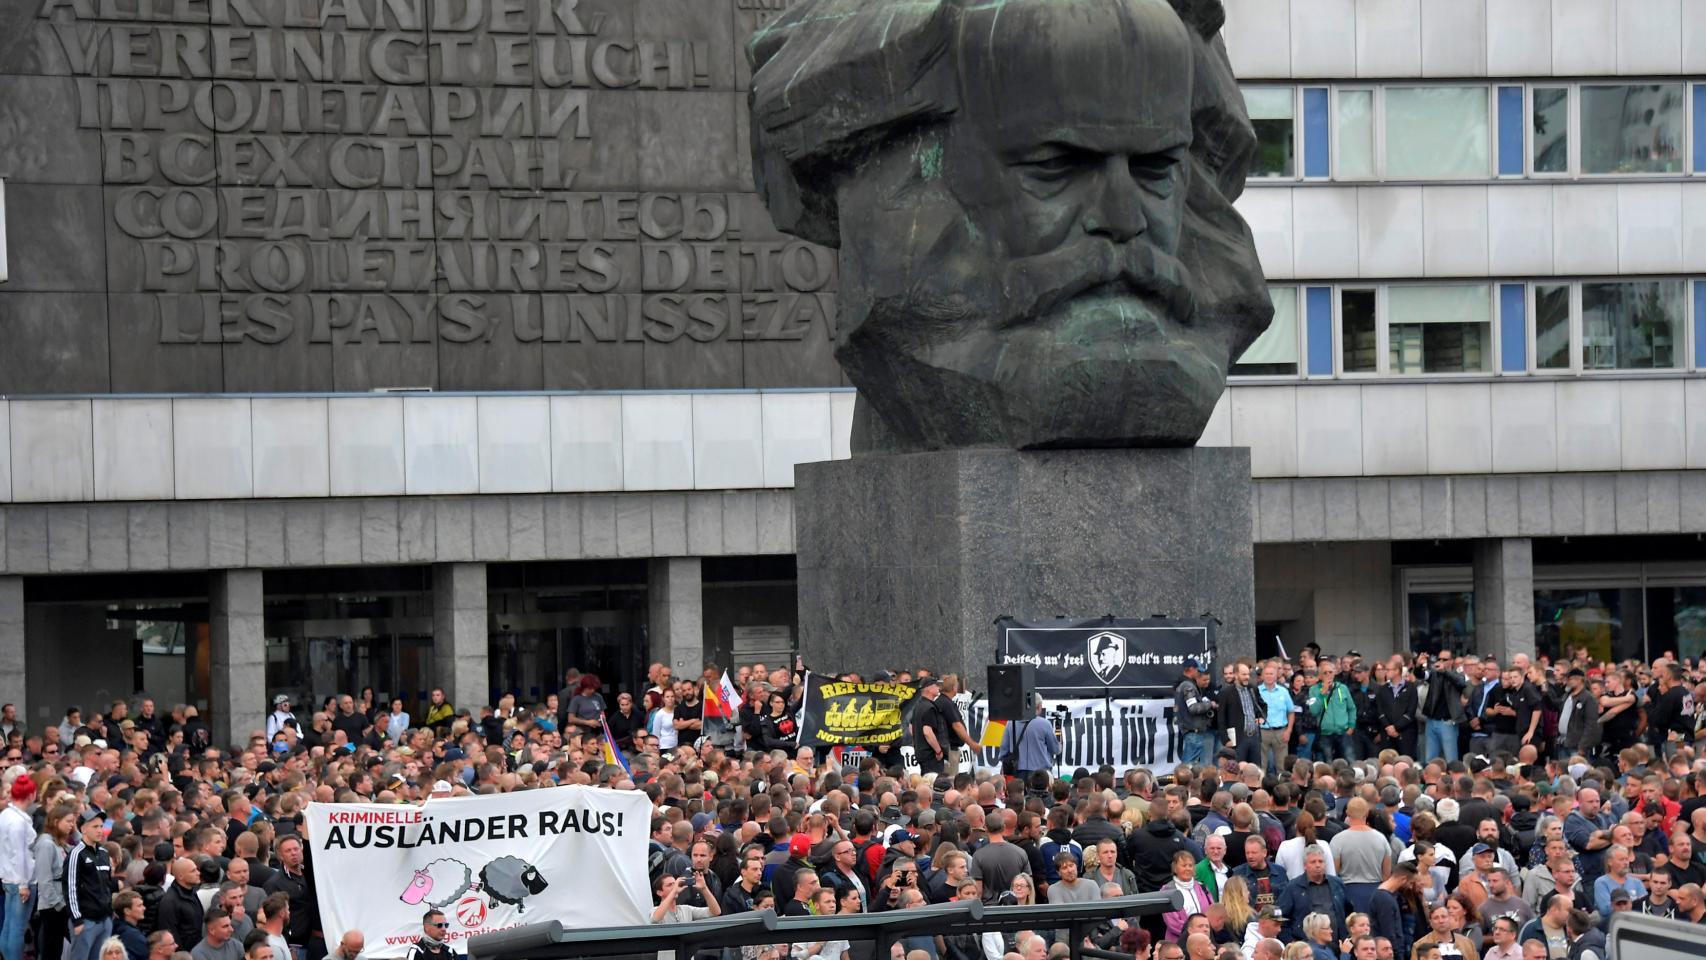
<point>341,195</point>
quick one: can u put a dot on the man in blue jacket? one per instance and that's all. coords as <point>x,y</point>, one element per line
<point>1265,879</point>
<point>1314,892</point>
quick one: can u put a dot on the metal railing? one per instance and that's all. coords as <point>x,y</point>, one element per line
<point>550,941</point>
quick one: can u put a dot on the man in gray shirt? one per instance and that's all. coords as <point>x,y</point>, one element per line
<point>217,941</point>
<point>1362,854</point>
<point>1071,888</point>
<point>999,861</point>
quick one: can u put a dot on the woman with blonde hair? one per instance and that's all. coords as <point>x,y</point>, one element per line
<point>1235,899</point>
<point>113,949</point>
<point>1131,819</point>
<point>1024,890</point>
<point>1318,933</point>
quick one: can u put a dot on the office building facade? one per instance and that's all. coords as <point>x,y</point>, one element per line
<point>413,345</point>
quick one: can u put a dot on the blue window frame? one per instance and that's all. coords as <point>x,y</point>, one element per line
<point>1318,302</point>
<point>1700,128</point>
<point>1513,328</point>
<point>1699,322</point>
<point>1315,133</point>
<point>1510,131</point>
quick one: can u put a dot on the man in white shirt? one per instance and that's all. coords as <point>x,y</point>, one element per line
<point>280,718</point>
<point>16,866</point>
<point>1267,926</point>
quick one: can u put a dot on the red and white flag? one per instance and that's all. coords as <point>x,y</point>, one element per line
<point>724,701</point>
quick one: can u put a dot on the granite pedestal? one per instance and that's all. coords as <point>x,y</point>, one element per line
<point>905,560</point>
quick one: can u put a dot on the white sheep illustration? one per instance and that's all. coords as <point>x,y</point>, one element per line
<point>438,884</point>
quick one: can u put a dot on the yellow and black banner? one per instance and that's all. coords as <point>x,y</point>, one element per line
<point>838,713</point>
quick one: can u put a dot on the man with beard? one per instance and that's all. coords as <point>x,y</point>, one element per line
<point>1577,714</point>
<point>1263,878</point>
<point>1015,250</point>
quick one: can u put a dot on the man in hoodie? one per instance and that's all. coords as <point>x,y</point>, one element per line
<point>1557,873</point>
<point>1586,940</point>
<point>1150,851</point>
<point>1059,840</point>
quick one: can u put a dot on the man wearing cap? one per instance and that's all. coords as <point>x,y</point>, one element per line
<point>1268,926</point>
<point>930,728</point>
<point>281,718</point>
<point>1578,713</point>
<point>1336,713</point>
<point>799,858</point>
<point>1194,710</point>
<point>16,866</point>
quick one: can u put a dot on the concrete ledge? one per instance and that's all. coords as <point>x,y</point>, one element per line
<point>220,534</point>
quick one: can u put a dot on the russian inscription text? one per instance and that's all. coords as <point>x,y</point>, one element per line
<point>367,173</point>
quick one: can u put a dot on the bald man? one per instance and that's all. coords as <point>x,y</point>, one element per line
<point>180,908</point>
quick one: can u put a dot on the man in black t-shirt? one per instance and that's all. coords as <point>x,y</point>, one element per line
<point>691,709</point>
<point>1511,712</point>
<point>958,735</point>
<point>930,728</point>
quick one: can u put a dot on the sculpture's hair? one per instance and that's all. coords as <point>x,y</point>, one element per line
<point>835,80</point>
<point>832,78</point>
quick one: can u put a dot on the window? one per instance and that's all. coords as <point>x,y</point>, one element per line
<point>1551,130</point>
<point>1273,112</point>
<point>1631,326</point>
<point>1510,132</point>
<point>1608,621</point>
<point>1676,620</point>
<point>1442,621</point>
<point>1633,128</point>
<point>1437,133</point>
<point>1356,135</point>
<point>1274,354</point>
<point>1445,329</point>
<point>1551,326</point>
<point>1358,351</point>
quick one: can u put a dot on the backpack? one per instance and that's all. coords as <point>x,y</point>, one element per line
<point>1050,849</point>
<point>656,860</point>
<point>867,863</point>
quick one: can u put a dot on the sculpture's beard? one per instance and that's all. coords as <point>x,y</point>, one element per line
<point>1093,344</point>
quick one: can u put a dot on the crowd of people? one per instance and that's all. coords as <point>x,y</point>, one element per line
<point>1327,808</point>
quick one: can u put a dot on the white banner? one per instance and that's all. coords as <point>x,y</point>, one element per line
<point>1122,733</point>
<point>575,854</point>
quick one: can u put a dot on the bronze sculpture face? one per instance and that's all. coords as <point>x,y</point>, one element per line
<point>1033,204</point>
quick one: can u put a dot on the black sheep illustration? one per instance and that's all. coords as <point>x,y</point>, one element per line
<point>511,880</point>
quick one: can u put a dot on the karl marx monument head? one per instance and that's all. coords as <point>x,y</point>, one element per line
<point>1033,203</point>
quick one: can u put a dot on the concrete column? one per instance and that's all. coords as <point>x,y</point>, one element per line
<point>460,659</point>
<point>675,602</point>
<point>13,682</point>
<point>237,666</point>
<point>1504,597</point>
